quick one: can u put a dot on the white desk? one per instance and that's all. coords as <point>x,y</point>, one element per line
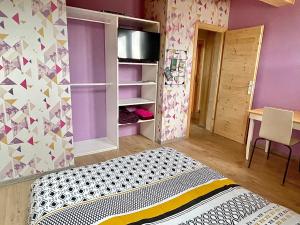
<point>256,114</point>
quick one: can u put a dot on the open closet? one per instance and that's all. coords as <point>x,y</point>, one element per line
<point>100,84</point>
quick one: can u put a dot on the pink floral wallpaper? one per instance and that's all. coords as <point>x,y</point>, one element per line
<point>35,104</point>
<point>177,18</point>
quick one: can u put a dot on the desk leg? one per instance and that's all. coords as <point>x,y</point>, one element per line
<point>249,139</point>
<point>267,146</point>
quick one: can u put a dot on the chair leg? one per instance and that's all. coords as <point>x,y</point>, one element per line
<point>287,164</point>
<point>253,151</point>
<point>269,149</point>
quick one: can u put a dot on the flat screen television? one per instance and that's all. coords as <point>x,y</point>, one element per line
<point>138,46</point>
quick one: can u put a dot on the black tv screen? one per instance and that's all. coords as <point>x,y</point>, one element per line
<point>138,46</point>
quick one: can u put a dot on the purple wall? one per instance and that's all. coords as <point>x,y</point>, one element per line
<point>87,65</point>
<point>133,8</point>
<point>278,79</point>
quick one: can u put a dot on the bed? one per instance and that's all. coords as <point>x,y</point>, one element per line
<point>159,186</point>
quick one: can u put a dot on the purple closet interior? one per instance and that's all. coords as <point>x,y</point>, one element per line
<point>87,65</point>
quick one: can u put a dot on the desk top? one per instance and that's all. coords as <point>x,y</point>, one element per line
<point>260,112</point>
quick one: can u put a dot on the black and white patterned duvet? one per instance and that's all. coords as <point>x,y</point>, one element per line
<point>87,195</point>
<point>71,186</point>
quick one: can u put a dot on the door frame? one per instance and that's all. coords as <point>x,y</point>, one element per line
<point>203,26</point>
<point>199,70</point>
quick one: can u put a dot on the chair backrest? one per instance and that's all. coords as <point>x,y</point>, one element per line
<point>277,125</point>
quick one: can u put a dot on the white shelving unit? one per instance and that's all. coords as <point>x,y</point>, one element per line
<point>148,83</point>
<point>138,63</point>
<point>136,83</point>
<point>148,86</point>
<point>93,146</point>
<point>140,121</point>
<point>90,84</point>
<point>134,101</point>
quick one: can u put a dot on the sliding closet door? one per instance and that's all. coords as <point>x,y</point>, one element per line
<point>238,74</point>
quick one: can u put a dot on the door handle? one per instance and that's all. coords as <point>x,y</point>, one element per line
<point>251,86</point>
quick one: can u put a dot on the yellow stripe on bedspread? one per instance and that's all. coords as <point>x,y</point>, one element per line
<point>169,205</point>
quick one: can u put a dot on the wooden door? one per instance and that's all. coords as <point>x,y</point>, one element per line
<point>238,74</point>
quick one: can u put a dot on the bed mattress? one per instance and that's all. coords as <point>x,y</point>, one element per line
<point>160,186</point>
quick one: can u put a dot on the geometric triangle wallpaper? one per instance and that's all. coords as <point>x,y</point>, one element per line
<point>177,29</point>
<point>35,102</point>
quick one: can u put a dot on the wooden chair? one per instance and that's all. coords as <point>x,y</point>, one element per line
<point>277,126</point>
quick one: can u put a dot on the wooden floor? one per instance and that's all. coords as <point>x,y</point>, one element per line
<point>219,153</point>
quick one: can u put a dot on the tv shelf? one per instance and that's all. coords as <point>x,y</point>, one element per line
<point>115,83</point>
<point>127,20</point>
<point>138,63</point>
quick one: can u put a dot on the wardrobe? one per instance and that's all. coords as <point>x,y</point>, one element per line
<point>100,84</point>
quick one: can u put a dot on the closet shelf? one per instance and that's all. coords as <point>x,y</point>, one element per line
<point>131,21</point>
<point>89,84</point>
<point>88,15</point>
<point>140,121</point>
<point>135,101</point>
<point>137,63</point>
<point>136,83</point>
<point>93,146</point>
